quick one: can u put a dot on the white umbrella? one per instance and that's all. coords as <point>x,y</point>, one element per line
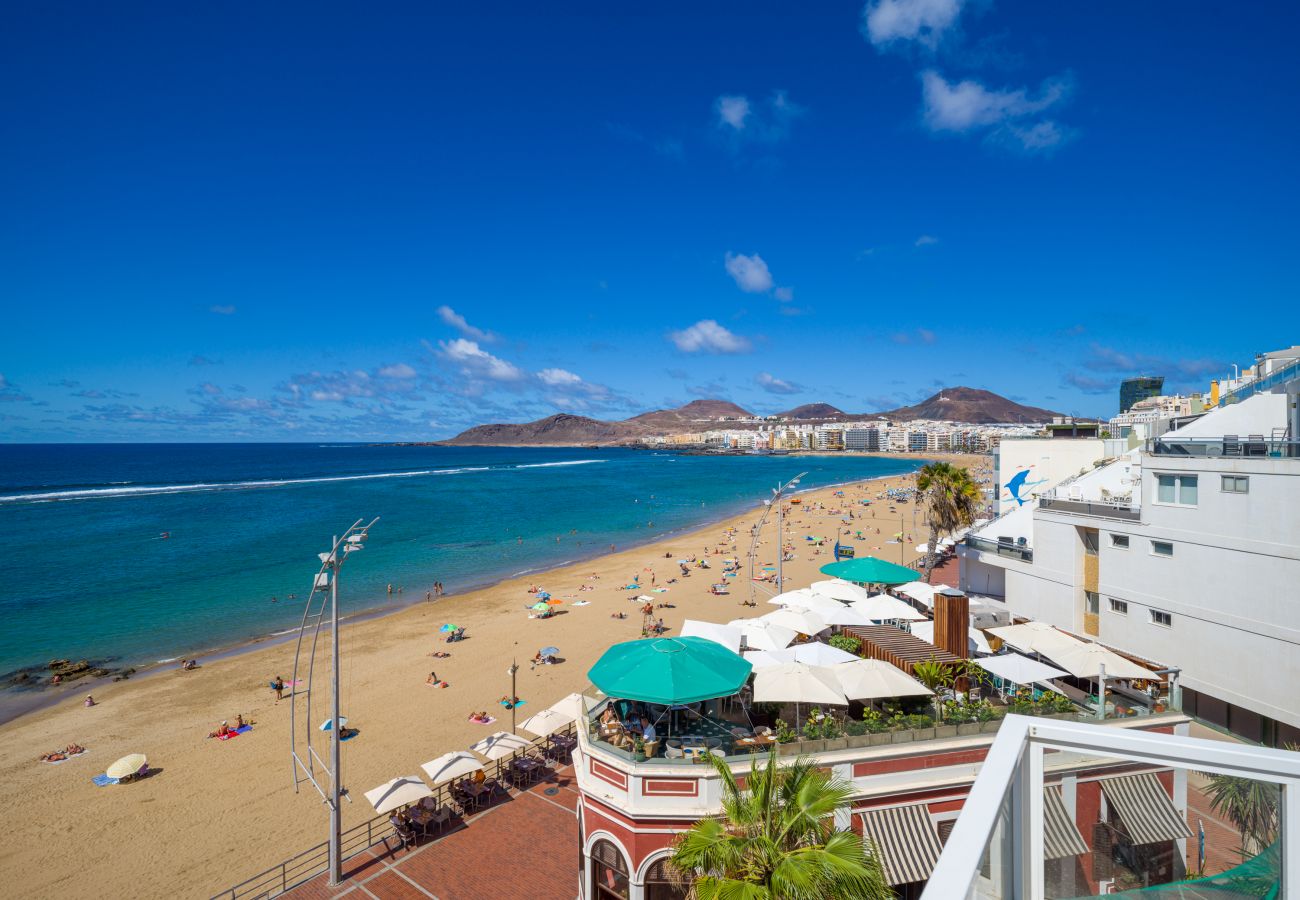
<point>328,724</point>
<point>874,679</point>
<point>575,706</point>
<point>761,635</point>
<point>842,615</point>
<point>1018,669</point>
<point>799,597</point>
<point>399,792</point>
<point>798,683</point>
<point>1086,660</point>
<point>815,653</point>
<point>500,745</point>
<point>802,621</point>
<point>548,721</point>
<point>127,765</point>
<point>726,635</point>
<point>762,659</point>
<point>451,765</point>
<point>882,607</point>
<point>839,589</point>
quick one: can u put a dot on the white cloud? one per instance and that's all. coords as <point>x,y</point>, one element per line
<point>397,370</point>
<point>222,310</point>
<point>474,360</point>
<point>924,21</point>
<point>559,378</point>
<point>784,294</point>
<point>457,321</point>
<point>749,272</point>
<point>707,336</point>
<point>926,240</point>
<point>773,385</point>
<point>733,112</point>
<point>967,105</point>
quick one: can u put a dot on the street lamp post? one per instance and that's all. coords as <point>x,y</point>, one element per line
<point>306,763</point>
<point>514,696</point>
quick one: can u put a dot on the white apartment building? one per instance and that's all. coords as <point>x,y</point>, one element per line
<point>1186,550</point>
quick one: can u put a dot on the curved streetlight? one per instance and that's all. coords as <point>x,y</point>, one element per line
<point>778,495</point>
<point>324,589</point>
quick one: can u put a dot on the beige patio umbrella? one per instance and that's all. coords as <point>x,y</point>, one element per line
<point>500,745</point>
<point>798,683</point>
<point>548,721</point>
<point>804,621</point>
<point>875,679</point>
<point>575,706</point>
<point>127,765</point>
<point>398,793</point>
<point>1086,660</point>
<point>451,765</point>
<point>761,635</point>
<point>799,597</point>
<point>882,608</point>
<point>839,589</point>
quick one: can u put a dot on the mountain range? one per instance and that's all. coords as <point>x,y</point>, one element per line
<point>959,404</point>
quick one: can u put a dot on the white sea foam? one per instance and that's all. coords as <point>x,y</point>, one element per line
<point>146,490</point>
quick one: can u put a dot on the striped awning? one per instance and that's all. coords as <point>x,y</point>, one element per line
<point>906,840</point>
<point>1145,809</point>
<point>1060,836</point>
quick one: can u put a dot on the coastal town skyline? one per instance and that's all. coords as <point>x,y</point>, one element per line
<point>308,226</point>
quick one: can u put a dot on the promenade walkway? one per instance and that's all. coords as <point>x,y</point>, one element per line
<point>523,846</point>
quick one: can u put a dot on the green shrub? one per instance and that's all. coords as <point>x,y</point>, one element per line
<point>846,643</point>
<point>784,733</point>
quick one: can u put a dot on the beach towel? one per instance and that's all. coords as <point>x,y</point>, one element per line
<point>55,762</point>
<point>236,733</point>
<point>517,705</point>
<point>349,737</point>
<point>103,780</point>
<point>582,603</point>
<point>488,721</point>
<point>661,590</point>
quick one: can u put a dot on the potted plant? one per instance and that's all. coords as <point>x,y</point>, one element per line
<point>638,749</point>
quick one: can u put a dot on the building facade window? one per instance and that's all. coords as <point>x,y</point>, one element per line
<point>609,872</point>
<point>1119,607</point>
<point>1119,541</point>
<point>1162,548</point>
<point>1177,490</point>
<point>1162,618</point>
<point>1092,602</point>
<point>1235,484</point>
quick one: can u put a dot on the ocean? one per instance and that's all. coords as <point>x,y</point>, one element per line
<point>88,572</point>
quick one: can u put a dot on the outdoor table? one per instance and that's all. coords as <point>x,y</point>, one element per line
<point>757,742</point>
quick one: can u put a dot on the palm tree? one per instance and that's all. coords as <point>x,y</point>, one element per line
<point>951,499</point>
<point>934,675</point>
<point>1250,805</point>
<point>776,840</point>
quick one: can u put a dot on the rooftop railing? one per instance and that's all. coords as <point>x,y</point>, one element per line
<point>1109,509</point>
<point>1008,548</point>
<point>1253,446</point>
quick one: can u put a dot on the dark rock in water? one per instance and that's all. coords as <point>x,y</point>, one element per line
<point>97,673</point>
<point>56,663</point>
<point>72,670</point>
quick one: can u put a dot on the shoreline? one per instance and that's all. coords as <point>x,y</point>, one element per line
<point>215,803</point>
<point>15,703</point>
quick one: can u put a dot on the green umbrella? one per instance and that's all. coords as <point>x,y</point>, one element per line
<point>541,606</point>
<point>869,570</point>
<point>670,671</point>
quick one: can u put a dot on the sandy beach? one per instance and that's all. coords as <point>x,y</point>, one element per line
<point>219,812</point>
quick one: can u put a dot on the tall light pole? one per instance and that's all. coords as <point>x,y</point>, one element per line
<point>514,696</point>
<point>305,764</point>
<point>778,495</point>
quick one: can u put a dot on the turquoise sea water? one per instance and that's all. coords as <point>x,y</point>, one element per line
<point>87,572</point>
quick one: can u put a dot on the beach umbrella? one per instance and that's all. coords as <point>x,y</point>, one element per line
<point>546,722</point>
<point>549,651</point>
<point>800,597</point>
<point>798,683</point>
<point>801,620</point>
<point>500,745</point>
<point>760,635</point>
<point>882,607</point>
<point>543,595</point>
<point>447,627</point>
<point>1086,660</point>
<point>763,659</point>
<point>575,706</point>
<point>669,671</point>
<point>328,724</point>
<point>398,793</point>
<point>127,765</point>
<point>874,679</point>
<point>839,614</point>
<point>726,635</point>
<point>869,570</point>
<point>838,589</point>
<point>815,653</point>
<point>1019,669</point>
<point>451,765</point>
<point>540,606</point>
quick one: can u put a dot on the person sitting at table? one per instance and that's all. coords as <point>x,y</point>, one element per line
<point>609,717</point>
<point>647,730</point>
<point>479,778</point>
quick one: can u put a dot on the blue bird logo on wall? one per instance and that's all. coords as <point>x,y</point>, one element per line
<point>1018,485</point>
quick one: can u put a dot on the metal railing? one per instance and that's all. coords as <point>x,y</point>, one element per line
<point>1109,509</point>
<point>1278,376</point>
<point>1001,548</point>
<point>1253,446</point>
<point>298,870</point>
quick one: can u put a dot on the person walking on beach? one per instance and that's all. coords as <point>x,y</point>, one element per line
<point>278,686</point>
<point>428,596</point>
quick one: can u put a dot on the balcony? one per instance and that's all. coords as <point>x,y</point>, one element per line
<point>1229,446</point>
<point>1106,509</point>
<point>1008,548</point>
<point>1064,809</point>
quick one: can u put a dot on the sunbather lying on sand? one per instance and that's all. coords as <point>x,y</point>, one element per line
<point>480,717</point>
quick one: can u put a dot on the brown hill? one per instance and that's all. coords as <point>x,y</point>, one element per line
<point>970,405</point>
<point>813,411</point>
<point>560,430</point>
<point>694,412</point>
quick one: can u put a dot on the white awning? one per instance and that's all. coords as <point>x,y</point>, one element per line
<point>906,839</point>
<point>1145,808</point>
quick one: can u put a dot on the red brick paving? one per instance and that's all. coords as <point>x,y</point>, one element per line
<point>522,846</point>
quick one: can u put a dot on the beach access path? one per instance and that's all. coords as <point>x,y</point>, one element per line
<point>218,812</point>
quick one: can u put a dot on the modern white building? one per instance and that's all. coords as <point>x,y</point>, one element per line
<point>1186,550</point>
<point>1028,467</point>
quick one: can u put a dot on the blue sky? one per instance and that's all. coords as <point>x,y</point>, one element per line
<point>316,220</point>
